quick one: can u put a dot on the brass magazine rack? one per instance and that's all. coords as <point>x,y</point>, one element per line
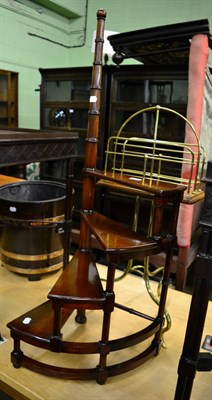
<point>153,158</point>
<point>147,158</point>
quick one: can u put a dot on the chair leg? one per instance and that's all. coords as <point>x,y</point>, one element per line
<point>80,317</point>
<point>164,290</point>
<point>17,354</point>
<point>108,309</point>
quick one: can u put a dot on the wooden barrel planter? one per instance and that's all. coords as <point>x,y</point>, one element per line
<point>30,240</point>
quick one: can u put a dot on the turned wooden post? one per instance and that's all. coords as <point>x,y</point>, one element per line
<point>93,128</point>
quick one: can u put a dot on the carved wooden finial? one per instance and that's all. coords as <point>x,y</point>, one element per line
<point>118,57</point>
<point>101,14</point>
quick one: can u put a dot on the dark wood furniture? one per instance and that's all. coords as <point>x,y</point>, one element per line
<point>192,359</point>
<point>25,146</point>
<point>162,79</point>
<point>79,287</point>
<point>168,44</point>
<point>8,99</point>
<point>150,157</point>
<point>125,90</point>
<point>9,111</point>
<point>64,105</point>
<point>166,47</point>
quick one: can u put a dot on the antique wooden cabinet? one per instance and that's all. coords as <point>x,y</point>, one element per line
<point>64,103</point>
<point>9,109</point>
<point>8,99</point>
<point>136,87</point>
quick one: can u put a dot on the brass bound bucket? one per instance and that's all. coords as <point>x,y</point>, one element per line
<point>30,240</point>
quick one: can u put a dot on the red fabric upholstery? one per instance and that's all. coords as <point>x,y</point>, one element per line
<point>198,59</point>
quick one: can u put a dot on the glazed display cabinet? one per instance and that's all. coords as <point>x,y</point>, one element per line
<point>8,99</point>
<point>64,104</point>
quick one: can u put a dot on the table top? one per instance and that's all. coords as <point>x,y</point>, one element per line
<point>23,146</point>
<point>154,379</point>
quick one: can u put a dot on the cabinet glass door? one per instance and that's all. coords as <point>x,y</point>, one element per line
<point>131,92</point>
<point>157,91</point>
<point>60,90</point>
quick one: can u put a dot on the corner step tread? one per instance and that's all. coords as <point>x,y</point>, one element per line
<point>79,283</point>
<point>114,237</point>
<point>38,322</point>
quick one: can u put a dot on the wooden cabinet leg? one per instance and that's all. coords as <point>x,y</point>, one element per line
<point>80,317</point>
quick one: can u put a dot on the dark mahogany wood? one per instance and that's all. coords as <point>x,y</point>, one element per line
<point>148,186</point>
<point>23,146</point>
<point>89,293</point>
<point>192,359</point>
<point>41,323</point>
<point>114,238</point>
<point>168,44</point>
<point>79,286</point>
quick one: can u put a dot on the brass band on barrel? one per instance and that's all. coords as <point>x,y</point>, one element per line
<point>41,222</point>
<point>26,257</point>
<point>32,271</point>
<point>46,220</point>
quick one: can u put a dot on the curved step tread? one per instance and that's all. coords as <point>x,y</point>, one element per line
<point>37,324</point>
<point>79,283</point>
<point>115,238</point>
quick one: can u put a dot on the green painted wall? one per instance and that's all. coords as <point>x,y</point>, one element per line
<point>30,40</point>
